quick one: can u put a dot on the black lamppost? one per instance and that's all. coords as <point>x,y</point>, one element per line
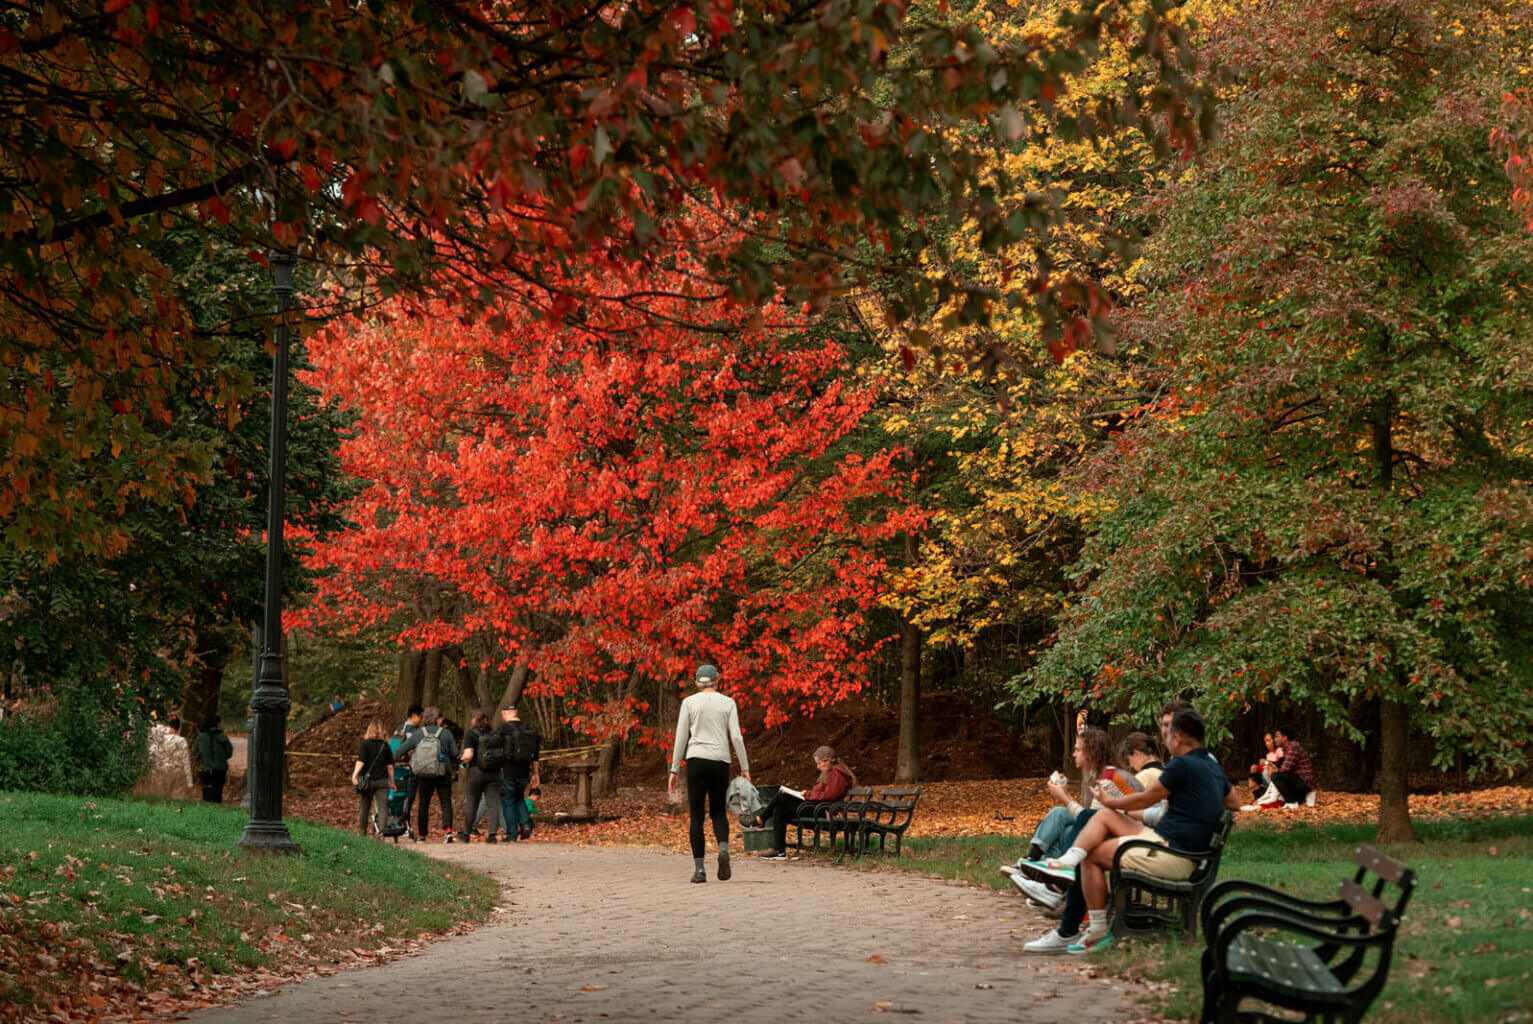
<point>265,831</point>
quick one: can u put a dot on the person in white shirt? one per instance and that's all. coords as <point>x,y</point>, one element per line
<point>706,729</point>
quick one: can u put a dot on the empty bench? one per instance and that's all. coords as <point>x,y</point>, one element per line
<point>1338,966</point>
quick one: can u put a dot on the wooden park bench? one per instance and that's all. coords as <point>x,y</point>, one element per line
<point>1334,976</point>
<point>1144,905</point>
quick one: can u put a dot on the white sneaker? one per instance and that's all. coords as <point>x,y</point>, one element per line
<point>1309,799</point>
<point>1292,807</point>
<point>1009,870</point>
<point>1050,942</point>
<point>1037,892</point>
<point>1090,940</point>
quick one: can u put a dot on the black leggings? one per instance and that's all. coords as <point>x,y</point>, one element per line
<point>426,787</point>
<point>707,780</point>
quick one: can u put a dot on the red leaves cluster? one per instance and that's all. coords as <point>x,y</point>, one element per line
<point>612,488</point>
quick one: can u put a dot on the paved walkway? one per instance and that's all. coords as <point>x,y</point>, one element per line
<point>619,934</point>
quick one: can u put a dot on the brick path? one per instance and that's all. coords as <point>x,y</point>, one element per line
<point>619,934</point>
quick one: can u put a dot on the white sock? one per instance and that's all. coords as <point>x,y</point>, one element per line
<point>1096,921</point>
<point>1072,857</point>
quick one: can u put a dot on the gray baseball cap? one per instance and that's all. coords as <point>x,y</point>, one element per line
<point>707,675</point>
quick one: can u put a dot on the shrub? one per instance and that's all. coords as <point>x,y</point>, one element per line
<point>88,738</point>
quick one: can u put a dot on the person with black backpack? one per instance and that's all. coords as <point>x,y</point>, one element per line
<point>519,749</point>
<point>432,753</point>
<point>483,753</point>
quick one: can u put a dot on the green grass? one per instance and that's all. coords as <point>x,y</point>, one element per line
<point>159,894</point>
<point>1465,951</point>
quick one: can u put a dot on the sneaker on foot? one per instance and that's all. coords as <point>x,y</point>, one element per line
<point>699,875</point>
<point>1050,942</point>
<point>1268,805</point>
<point>489,839</point>
<point>1091,941</point>
<point>1292,807</point>
<point>447,837</point>
<point>1309,799</point>
<point>1048,871</point>
<point>1038,892</point>
<point>1010,870</point>
<point>775,855</point>
<point>724,871</point>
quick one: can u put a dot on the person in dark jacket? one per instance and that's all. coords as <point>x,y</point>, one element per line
<point>517,776</point>
<point>374,758</point>
<point>213,752</point>
<point>481,785</point>
<point>835,779</point>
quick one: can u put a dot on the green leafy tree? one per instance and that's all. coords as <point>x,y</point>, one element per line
<point>1331,506</point>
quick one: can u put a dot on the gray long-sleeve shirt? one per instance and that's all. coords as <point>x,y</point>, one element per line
<point>709,724</point>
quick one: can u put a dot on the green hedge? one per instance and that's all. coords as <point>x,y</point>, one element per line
<point>87,739</point>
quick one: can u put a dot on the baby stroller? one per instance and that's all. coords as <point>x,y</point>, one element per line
<point>396,822</point>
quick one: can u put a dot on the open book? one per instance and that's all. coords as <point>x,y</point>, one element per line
<point>1119,782</point>
<point>797,794</point>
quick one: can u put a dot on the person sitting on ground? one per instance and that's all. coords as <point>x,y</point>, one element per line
<point>1294,776</point>
<point>372,776</point>
<point>1261,771</point>
<point>835,779</point>
<point>1196,794</point>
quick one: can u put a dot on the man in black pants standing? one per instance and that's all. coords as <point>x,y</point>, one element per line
<point>706,729</point>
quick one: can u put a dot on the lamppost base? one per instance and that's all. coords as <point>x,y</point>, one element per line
<point>268,837</point>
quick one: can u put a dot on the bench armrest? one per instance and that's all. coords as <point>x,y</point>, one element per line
<point>1328,934</point>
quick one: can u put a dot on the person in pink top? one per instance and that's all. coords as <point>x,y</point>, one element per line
<point>835,779</point>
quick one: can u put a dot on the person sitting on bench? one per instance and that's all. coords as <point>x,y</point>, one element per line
<point>1196,794</point>
<point>835,779</point>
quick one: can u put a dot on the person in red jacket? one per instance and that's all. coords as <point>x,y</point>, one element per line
<point>835,779</point>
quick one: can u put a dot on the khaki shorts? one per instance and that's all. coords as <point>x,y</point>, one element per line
<point>1157,863</point>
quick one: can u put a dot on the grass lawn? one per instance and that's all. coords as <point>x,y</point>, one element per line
<point>104,902</point>
<point>1465,952</point>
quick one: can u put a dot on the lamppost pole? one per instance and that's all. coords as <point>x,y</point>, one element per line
<point>265,832</point>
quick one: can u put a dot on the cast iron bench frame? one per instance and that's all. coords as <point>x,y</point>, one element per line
<point>889,815</point>
<point>1143,905</point>
<point>1316,979</point>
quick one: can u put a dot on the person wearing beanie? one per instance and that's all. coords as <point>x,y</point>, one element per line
<point>706,729</point>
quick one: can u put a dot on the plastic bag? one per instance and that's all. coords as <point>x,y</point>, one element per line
<point>741,797</point>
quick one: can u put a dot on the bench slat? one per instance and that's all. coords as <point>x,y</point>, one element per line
<point>1385,867</point>
<point>1364,904</point>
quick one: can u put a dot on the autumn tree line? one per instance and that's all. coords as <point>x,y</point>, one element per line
<point>1062,354</point>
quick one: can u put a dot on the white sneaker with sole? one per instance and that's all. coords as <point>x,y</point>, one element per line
<point>1050,942</point>
<point>1309,799</point>
<point>1091,939</point>
<point>1038,892</point>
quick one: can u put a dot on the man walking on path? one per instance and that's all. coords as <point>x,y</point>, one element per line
<point>433,755</point>
<point>709,724</point>
<point>213,752</point>
<point>519,772</point>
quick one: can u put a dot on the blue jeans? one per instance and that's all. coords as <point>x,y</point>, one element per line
<point>513,806</point>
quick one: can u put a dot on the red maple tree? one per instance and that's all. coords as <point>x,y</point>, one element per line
<point>612,502</point>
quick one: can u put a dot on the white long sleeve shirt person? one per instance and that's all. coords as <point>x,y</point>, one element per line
<point>709,724</point>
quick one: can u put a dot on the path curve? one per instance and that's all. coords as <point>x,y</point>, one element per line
<point>619,934</point>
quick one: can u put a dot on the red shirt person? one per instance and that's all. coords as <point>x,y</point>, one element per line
<point>1294,776</point>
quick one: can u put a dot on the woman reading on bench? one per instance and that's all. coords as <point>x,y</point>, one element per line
<point>835,779</point>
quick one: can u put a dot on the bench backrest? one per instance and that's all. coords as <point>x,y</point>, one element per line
<point>1366,906</point>
<point>861,794</point>
<point>1386,871</point>
<point>901,797</point>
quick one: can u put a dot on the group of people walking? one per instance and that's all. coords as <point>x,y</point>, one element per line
<point>498,763</point>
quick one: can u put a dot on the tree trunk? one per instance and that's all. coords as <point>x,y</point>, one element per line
<point>604,782</point>
<point>202,690</point>
<point>482,690</point>
<point>407,690</point>
<point>516,684</point>
<point>465,679</point>
<point>1394,768</point>
<point>431,681</point>
<point>1394,716</point>
<point>909,765</point>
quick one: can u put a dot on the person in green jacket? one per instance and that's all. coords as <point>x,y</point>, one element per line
<point>213,752</point>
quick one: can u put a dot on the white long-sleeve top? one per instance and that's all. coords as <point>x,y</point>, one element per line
<point>709,724</point>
